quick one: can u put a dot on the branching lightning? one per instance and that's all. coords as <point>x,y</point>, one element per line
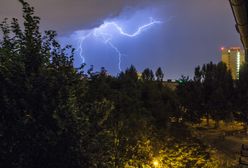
<point>100,32</point>
<point>80,48</point>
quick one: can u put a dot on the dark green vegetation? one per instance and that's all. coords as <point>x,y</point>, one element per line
<point>213,94</point>
<point>53,115</point>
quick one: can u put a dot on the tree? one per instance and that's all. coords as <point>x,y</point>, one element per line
<point>131,73</point>
<point>190,97</point>
<point>159,74</point>
<point>222,95</point>
<point>40,122</point>
<point>211,91</point>
<point>147,74</point>
<point>55,115</point>
<point>242,95</point>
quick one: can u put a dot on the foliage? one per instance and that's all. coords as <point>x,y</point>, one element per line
<point>242,95</point>
<point>54,115</point>
<point>159,74</point>
<point>210,93</point>
<point>39,118</point>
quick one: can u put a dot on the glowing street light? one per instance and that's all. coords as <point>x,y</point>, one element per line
<point>155,163</point>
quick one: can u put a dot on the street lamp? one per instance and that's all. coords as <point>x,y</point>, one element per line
<point>155,163</point>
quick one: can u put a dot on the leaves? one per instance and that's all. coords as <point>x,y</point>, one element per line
<point>55,115</point>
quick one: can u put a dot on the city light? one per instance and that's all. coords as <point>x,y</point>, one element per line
<point>238,64</point>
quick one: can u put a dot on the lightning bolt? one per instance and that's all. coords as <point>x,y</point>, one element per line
<point>107,37</point>
<point>140,29</point>
<point>118,52</point>
<point>80,48</point>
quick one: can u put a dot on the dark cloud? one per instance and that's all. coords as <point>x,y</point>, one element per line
<point>69,15</point>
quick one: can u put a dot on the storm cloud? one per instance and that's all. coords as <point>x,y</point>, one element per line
<point>70,15</point>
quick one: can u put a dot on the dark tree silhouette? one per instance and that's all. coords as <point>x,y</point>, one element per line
<point>159,74</point>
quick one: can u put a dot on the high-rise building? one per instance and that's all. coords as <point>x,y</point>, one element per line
<point>233,57</point>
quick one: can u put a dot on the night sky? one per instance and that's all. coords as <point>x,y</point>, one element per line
<point>191,33</point>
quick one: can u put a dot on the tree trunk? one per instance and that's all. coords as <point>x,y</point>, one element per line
<point>217,124</point>
<point>246,127</point>
<point>207,116</point>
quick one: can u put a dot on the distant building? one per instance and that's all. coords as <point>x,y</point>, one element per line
<point>139,75</point>
<point>171,84</point>
<point>233,57</point>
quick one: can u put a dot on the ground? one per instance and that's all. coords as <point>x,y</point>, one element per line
<point>225,140</point>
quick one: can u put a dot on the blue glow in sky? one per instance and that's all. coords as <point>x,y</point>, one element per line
<point>192,32</point>
<point>108,44</point>
<point>107,32</point>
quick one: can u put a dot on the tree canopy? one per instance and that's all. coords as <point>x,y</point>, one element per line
<point>55,115</point>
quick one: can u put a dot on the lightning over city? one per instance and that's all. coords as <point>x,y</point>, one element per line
<point>123,83</point>
<point>101,33</point>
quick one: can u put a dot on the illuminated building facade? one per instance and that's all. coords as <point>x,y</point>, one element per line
<point>233,57</point>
